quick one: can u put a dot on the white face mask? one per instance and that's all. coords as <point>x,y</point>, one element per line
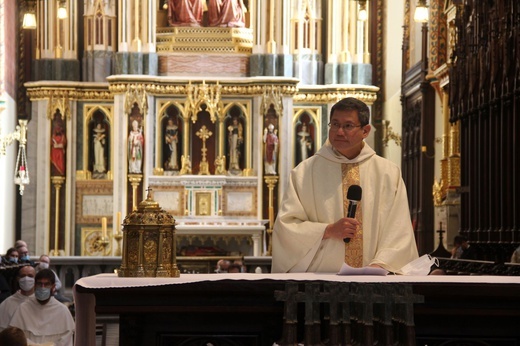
<point>421,266</point>
<point>26,283</point>
<point>44,265</point>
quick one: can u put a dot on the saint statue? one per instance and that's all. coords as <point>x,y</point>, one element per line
<point>135,148</point>
<point>171,137</point>
<point>227,13</point>
<point>271,149</point>
<point>185,12</point>
<point>235,140</point>
<point>99,140</point>
<point>58,150</point>
<point>304,142</point>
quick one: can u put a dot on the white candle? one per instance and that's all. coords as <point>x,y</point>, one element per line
<point>117,227</point>
<point>104,227</point>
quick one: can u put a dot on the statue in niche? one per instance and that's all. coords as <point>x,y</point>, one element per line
<point>99,142</point>
<point>185,164</point>
<point>271,149</point>
<point>58,148</point>
<point>171,137</point>
<point>135,149</point>
<point>227,13</point>
<point>235,140</point>
<point>185,12</point>
<point>304,142</point>
<point>220,165</point>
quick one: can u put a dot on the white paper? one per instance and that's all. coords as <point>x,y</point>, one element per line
<point>348,270</point>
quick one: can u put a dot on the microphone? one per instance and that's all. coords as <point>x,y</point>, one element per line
<point>354,196</point>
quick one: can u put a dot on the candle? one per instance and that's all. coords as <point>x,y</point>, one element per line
<point>118,223</point>
<point>104,227</point>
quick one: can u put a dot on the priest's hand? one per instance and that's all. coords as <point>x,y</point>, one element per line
<point>343,228</point>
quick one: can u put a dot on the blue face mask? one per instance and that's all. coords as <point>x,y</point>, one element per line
<point>25,258</point>
<point>13,259</point>
<point>42,293</point>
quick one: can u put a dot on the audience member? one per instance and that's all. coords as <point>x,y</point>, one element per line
<point>25,283</point>
<point>24,257</point>
<point>10,261</point>
<point>234,268</point>
<point>462,249</point>
<point>19,243</point>
<point>5,288</point>
<point>42,318</point>
<point>44,263</point>
<point>240,263</point>
<point>11,257</point>
<point>222,266</point>
<point>12,336</point>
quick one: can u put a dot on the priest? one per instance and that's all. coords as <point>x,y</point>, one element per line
<point>314,231</point>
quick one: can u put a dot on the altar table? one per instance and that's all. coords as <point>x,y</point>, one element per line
<point>154,310</point>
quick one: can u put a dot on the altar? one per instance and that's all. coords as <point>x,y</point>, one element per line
<point>243,308</point>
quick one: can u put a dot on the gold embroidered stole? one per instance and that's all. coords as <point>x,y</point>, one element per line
<point>354,248</point>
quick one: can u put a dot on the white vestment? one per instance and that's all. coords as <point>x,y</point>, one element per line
<point>51,322</point>
<point>9,306</point>
<point>314,199</point>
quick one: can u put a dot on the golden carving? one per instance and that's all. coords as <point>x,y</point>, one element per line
<point>136,94</point>
<point>93,188</point>
<point>220,165</point>
<point>201,40</point>
<point>61,104</point>
<point>185,165</point>
<point>271,182</point>
<point>46,90</point>
<point>365,94</point>
<point>91,240</point>
<point>149,242</point>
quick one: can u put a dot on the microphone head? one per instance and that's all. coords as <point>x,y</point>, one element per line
<point>354,193</point>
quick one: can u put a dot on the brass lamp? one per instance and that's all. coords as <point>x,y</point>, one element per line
<point>29,18</point>
<point>421,14</point>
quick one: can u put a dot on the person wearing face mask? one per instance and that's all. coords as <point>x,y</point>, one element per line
<point>24,257</point>
<point>44,263</point>
<point>25,281</point>
<point>10,261</point>
<point>42,318</point>
<point>11,257</point>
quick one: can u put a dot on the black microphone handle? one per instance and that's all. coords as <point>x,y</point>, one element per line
<point>351,212</point>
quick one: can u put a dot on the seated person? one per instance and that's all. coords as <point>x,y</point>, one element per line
<point>13,336</point>
<point>42,318</point>
<point>11,257</point>
<point>23,252</point>
<point>25,283</point>
<point>462,249</point>
<point>44,263</point>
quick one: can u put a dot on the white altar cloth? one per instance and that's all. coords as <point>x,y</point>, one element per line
<point>113,281</point>
<point>85,303</point>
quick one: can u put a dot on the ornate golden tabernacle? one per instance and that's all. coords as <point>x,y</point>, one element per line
<point>149,242</point>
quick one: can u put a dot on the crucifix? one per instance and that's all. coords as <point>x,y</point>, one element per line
<point>204,134</point>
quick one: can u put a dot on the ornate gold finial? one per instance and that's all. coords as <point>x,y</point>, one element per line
<point>148,203</point>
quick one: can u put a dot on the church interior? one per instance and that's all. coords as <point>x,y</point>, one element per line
<point>203,108</point>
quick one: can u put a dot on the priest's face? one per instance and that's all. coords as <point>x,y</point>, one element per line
<point>346,133</point>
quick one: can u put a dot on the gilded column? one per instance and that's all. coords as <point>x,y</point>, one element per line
<point>57,182</point>
<point>271,182</point>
